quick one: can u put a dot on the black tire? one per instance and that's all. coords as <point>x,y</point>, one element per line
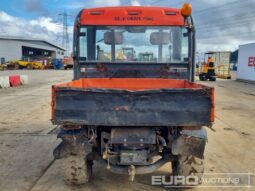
<point>202,78</point>
<point>30,66</point>
<point>213,79</point>
<point>16,66</point>
<point>77,170</point>
<point>188,165</point>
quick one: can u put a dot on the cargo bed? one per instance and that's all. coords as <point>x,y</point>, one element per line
<point>132,102</point>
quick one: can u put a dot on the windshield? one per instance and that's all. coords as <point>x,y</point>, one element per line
<point>134,44</point>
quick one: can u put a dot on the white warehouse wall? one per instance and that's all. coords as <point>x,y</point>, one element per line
<point>244,71</point>
<point>12,49</point>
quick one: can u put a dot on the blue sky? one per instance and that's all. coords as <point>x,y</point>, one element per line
<point>221,25</point>
<point>31,9</point>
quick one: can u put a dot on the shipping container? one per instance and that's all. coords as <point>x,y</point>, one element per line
<point>246,62</point>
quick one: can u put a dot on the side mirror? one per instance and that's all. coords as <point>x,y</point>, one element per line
<point>160,38</point>
<point>113,38</point>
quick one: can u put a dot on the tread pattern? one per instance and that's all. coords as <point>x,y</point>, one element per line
<point>77,170</point>
<point>188,165</point>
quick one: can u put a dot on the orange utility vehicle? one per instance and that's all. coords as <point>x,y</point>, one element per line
<point>133,115</point>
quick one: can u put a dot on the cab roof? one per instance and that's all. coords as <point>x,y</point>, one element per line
<point>132,16</point>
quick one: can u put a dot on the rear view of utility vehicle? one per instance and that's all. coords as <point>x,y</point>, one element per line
<point>133,114</point>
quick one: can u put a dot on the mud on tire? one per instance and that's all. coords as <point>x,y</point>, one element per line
<point>77,170</point>
<point>188,165</point>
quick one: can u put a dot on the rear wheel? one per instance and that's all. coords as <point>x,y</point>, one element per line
<point>188,165</point>
<point>213,78</point>
<point>202,77</point>
<point>16,66</point>
<point>77,170</point>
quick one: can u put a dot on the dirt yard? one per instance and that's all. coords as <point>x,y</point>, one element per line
<point>27,138</point>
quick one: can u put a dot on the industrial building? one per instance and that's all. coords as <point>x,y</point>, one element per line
<point>246,62</point>
<point>16,48</point>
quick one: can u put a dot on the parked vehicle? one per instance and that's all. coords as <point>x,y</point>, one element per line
<point>2,67</point>
<point>207,68</point>
<point>21,64</point>
<point>133,116</point>
<point>68,63</point>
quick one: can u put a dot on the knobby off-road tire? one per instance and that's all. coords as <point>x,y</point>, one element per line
<point>30,66</point>
<point>77,170</point>
<point>188,165</point>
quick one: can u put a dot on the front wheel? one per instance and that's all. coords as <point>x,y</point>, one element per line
<point>77,170</point>
<point>188,166</point>
<point>30,66</point>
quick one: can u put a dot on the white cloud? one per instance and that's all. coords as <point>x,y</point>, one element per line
<point>89,4</point>
<point>5,17</point>
<point>135,3</point>
<point>43,27</point>
<point>100,3</point>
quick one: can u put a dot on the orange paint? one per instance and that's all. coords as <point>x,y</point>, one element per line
<point>132,16</point>
<point>131,84</point>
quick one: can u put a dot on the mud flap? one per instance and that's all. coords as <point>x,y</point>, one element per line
<point>73,142</point>
<point>191,142</point>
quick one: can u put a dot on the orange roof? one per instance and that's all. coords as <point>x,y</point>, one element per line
<point>137,16</point>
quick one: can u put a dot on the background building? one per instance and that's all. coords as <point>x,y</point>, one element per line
<point>220,57</point>
<point>16,48</point>
<point>246,62</point>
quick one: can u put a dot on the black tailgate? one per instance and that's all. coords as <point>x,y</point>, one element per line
<point>106,107</point>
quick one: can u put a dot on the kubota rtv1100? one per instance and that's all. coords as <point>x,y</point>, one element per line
<point>133,115</point>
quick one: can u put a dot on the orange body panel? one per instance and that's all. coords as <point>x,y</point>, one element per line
<point>130,84</point>
<point>132,16</point>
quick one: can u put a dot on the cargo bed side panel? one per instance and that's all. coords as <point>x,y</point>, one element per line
<point>176,107</point>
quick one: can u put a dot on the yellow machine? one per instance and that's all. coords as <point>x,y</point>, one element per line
<point>122,54</point>
<point>220,66</point>
<point>20,64</point>
<point>207,69</point>
<point>2,67</point>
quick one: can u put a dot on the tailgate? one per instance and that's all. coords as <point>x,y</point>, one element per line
<point>133,102</point>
